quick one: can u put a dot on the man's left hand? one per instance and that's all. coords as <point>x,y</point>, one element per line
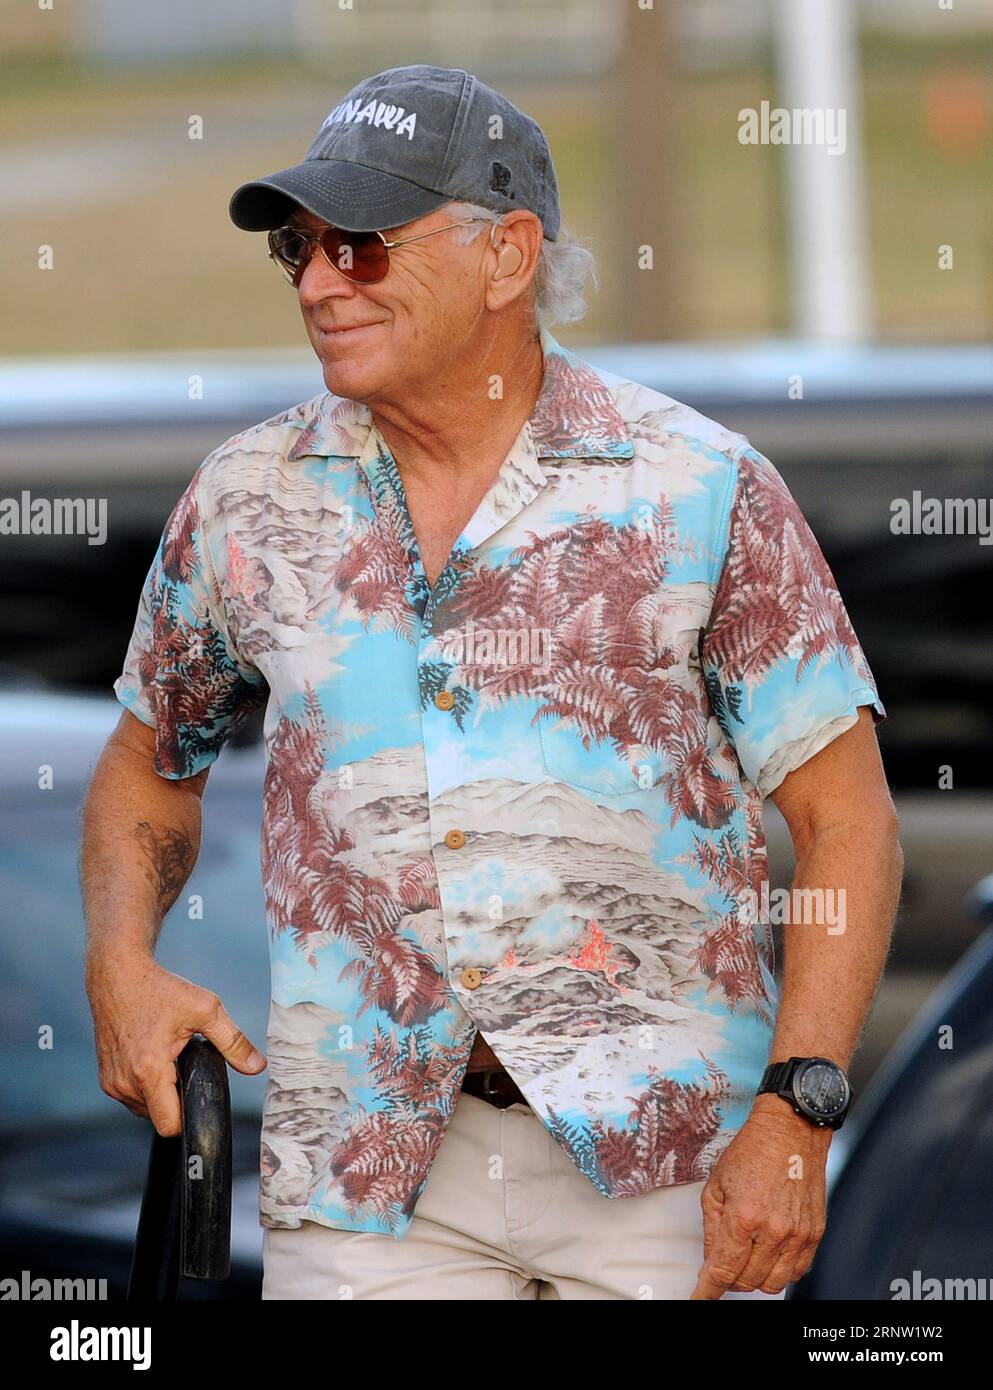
<point>764,1204</point>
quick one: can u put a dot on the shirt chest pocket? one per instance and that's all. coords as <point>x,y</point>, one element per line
<point>598,768</point>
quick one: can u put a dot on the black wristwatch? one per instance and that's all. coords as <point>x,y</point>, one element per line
<point>816,1087</point>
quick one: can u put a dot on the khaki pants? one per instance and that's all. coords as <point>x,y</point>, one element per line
<point>505,1214</point>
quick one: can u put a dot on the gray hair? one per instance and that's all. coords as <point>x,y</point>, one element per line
<point>564,267</point>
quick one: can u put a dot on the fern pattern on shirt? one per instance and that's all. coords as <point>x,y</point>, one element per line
<point>525,801</point>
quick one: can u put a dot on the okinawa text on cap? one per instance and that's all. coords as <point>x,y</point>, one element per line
<point>403,143</point>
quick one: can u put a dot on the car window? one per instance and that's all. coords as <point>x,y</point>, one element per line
<point>42,995</point>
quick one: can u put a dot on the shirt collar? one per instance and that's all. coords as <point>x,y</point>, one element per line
<point>573,417</point>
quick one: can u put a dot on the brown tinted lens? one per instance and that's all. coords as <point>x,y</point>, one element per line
<point>360,256</point>
<point>290,249</point>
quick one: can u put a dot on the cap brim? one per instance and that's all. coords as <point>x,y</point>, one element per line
<point>351,196</point>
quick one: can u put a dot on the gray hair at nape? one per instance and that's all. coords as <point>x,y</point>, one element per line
<point>564,267</point>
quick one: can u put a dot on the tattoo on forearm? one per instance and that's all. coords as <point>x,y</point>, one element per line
<point>170,856</point>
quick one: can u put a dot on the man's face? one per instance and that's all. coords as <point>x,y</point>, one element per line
<point>379,342</point>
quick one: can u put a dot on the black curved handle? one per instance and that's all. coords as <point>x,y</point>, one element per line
<point>184,1228</point>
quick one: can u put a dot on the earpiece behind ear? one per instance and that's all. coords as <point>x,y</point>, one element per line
<point>508,260</point>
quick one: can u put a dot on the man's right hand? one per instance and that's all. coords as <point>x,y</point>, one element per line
<point>143,1017</point>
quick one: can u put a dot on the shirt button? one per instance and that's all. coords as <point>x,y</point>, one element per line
<point>471,977</point>
<point>455,839</point>
<point>444,699</point>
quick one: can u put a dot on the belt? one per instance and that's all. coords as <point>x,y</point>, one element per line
<point>497,1087</point>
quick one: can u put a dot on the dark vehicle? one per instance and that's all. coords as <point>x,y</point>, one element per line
<point>911,1204</point>
<point>72,1161</point>
<point>873,426</point>
<point>855,432</point>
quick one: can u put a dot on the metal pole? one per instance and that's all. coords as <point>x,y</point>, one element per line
<point>816,45</point>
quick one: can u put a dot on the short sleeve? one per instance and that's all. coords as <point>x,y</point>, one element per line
<point>182,674</point>
<point>783,668</point>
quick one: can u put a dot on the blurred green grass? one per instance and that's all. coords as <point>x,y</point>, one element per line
<point>145,256</point>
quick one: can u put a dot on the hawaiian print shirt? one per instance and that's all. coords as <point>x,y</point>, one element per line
<point>526,801</point>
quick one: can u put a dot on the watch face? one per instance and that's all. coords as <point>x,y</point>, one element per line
<point>822,1088</point>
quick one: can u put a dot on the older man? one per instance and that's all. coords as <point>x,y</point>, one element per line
<point>535,643</point>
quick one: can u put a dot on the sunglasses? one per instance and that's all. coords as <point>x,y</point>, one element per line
<point>362,257</point>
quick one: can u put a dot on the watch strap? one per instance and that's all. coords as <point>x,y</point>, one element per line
<point>775,1077</point>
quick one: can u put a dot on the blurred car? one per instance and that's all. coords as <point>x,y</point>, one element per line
<point>851,429</point>
<point>910,1196</point>
<point>873,425</point>
<point>73,1161</point>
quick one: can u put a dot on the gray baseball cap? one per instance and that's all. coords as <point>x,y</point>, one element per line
<point>403,143</point>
